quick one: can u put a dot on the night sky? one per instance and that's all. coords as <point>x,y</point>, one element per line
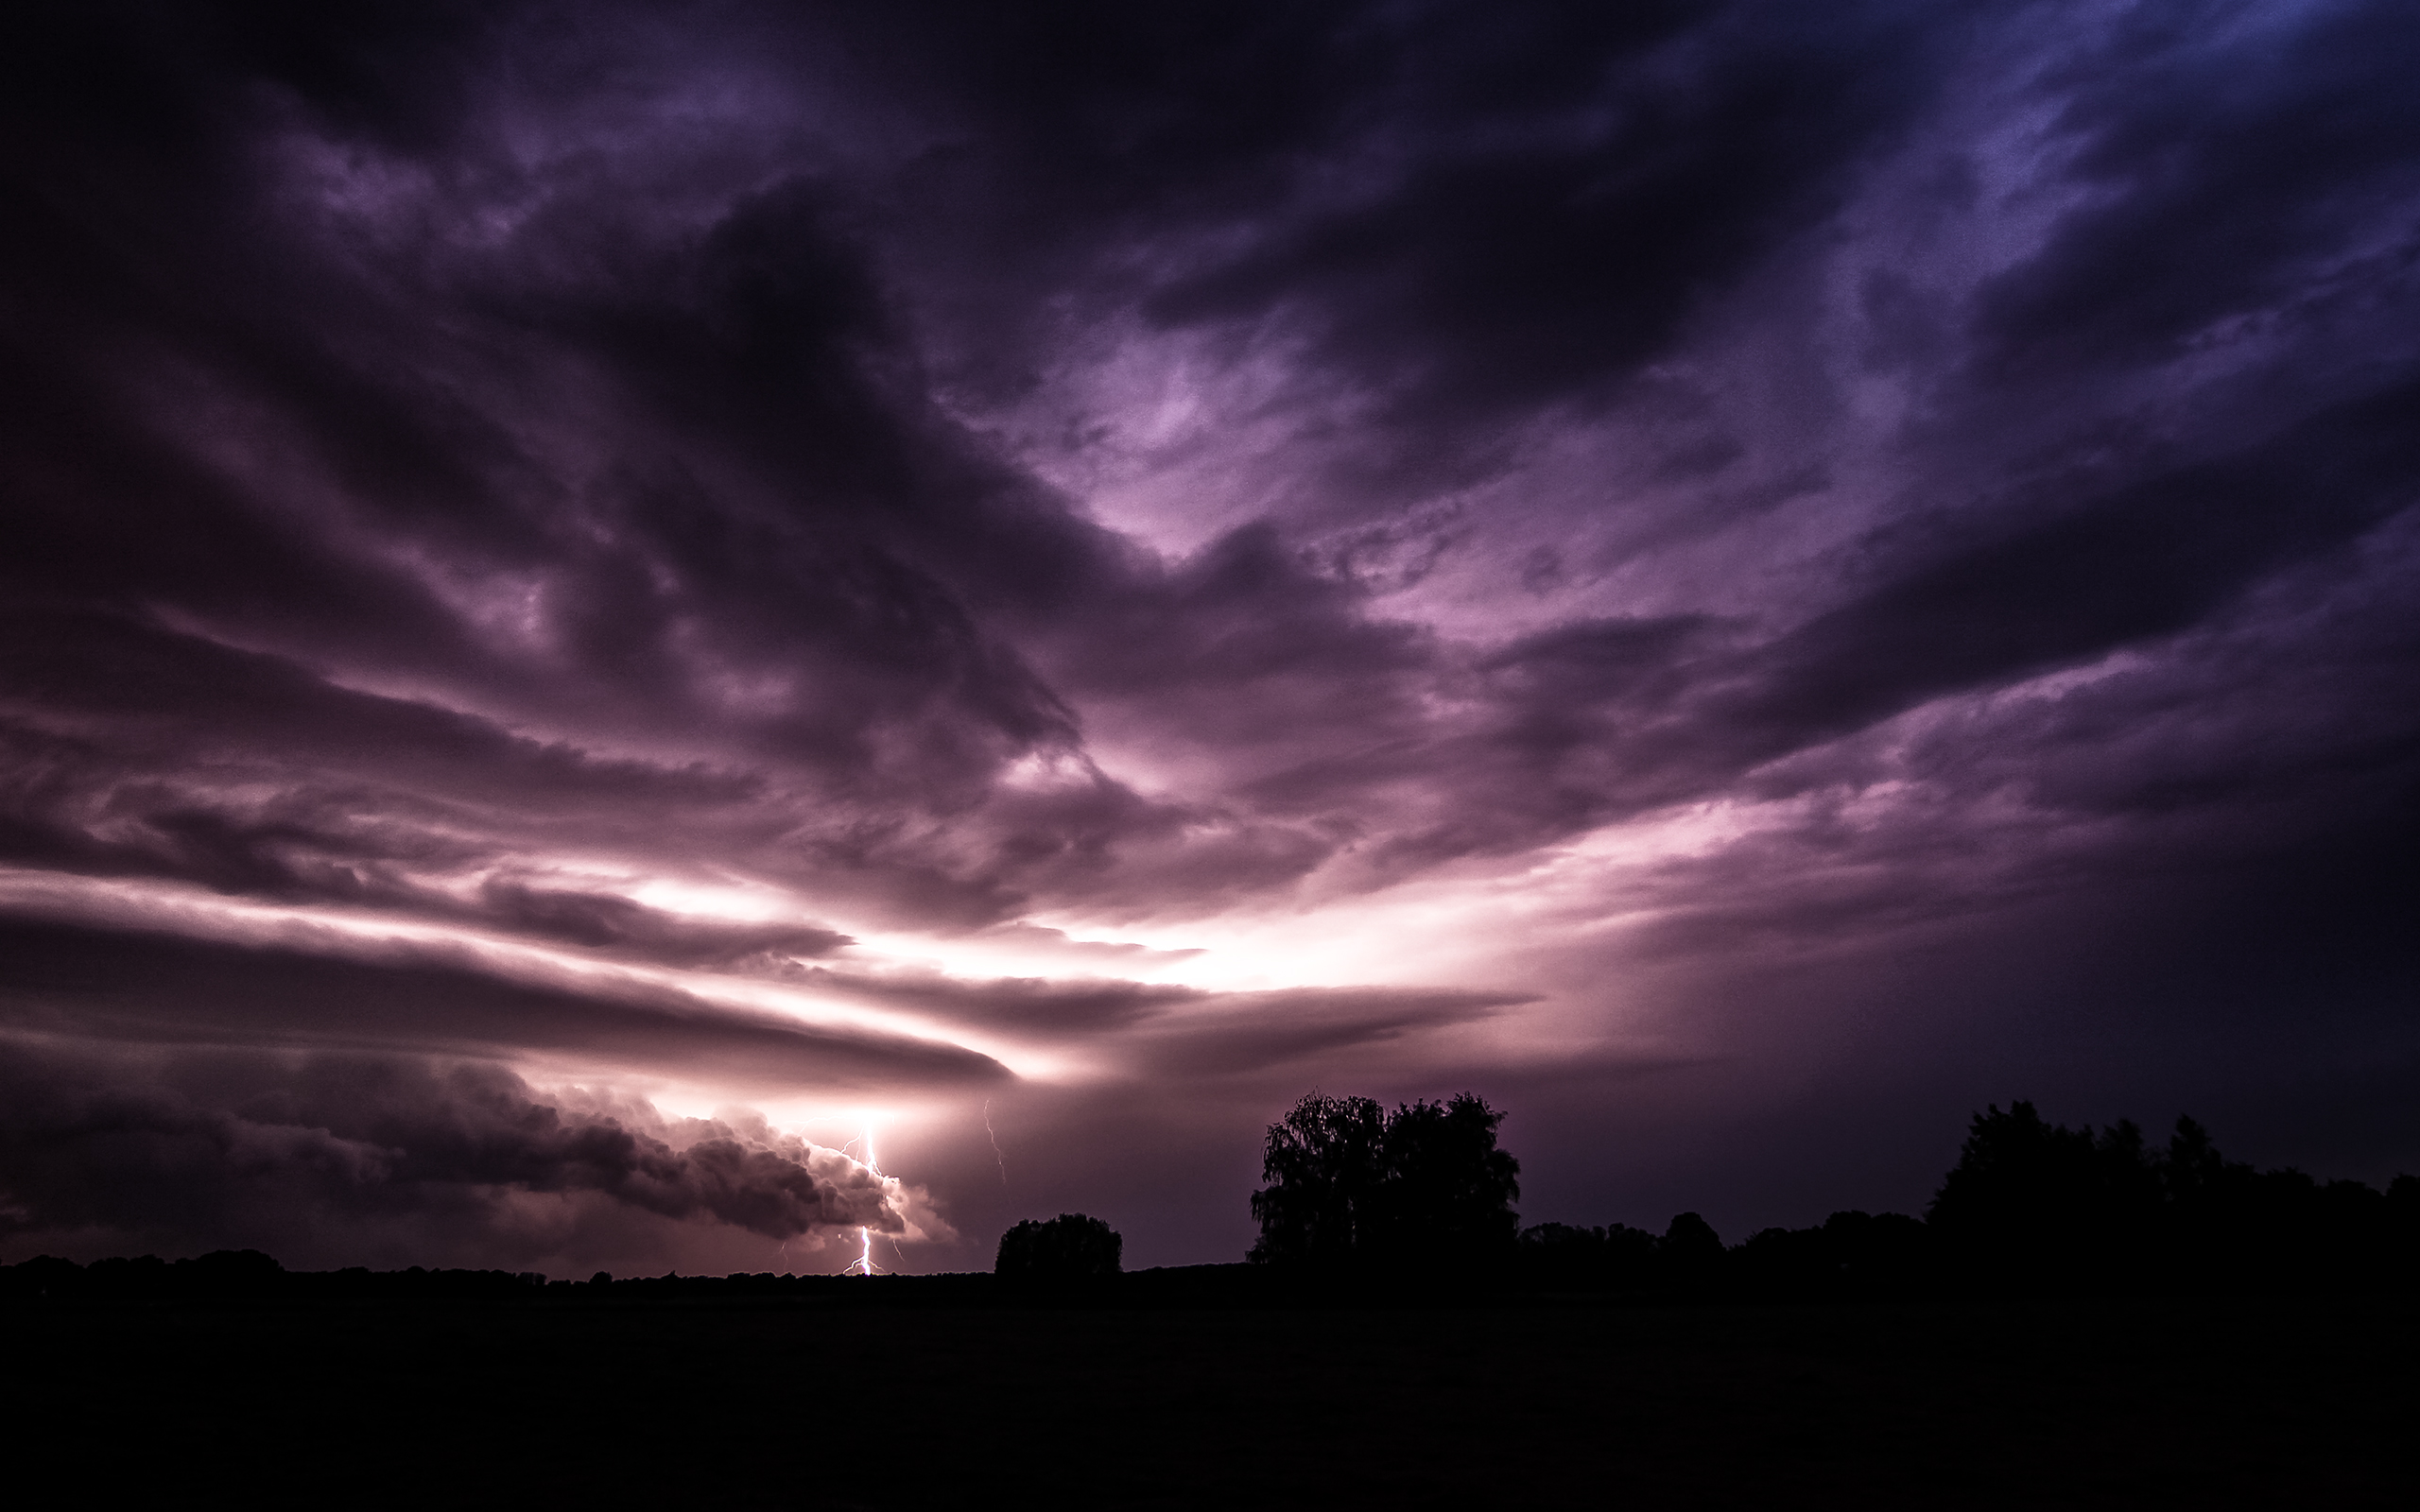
<point>599,603</point>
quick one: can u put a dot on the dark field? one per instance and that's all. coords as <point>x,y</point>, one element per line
<point>2071,1405</point>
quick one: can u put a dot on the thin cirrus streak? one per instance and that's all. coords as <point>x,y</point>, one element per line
<point>1742,582</point>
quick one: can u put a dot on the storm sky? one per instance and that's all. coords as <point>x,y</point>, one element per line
<point>599,603</point>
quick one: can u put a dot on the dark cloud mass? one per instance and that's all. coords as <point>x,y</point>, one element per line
<point>323,1154</point>
<point>1022,584</point>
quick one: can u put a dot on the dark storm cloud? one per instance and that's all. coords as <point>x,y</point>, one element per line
<point>1501,236</point>
<point>203,1149</point>
<point>2240,169</point>
<point>2147,561</point>
<point>760,336</point>
<point>941,468</point>
<point>1607,719</point>
<point>1545,226</point>
<point>785,442</point>
<point>1466,209</point>
<point>160,694</point>
<point>139,752</point>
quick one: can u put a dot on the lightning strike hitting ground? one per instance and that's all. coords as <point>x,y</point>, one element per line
<point>863,1265</point>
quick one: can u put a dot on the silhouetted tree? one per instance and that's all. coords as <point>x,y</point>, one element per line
<point>1070,1248</point>
<point>1853,1255</point>
<point>224,1273</point>
<point>142,1276</point>
<point>1324,1161</point>
<point>1447,1194</point>
<point>2191,1169</point>
<point>1352,1187</point>
<point>1690,1254</point>
<point>1562,1257</point>
<point>2046,1206</point>
<point>2032,1205</point>
<point>1878,1254</point>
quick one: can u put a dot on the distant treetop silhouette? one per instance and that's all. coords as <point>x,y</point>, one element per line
<point>1071,1246</point>
<point>1352,1187</point>
<point>2035,1206</point>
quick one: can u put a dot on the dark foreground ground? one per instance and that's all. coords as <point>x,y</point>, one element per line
<point>2201,1403</point>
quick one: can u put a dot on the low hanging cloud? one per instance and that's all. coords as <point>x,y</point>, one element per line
<point>151,988</point>
<point>205,1149</point>
<point>611,922</point>
<point>1166,1027</point>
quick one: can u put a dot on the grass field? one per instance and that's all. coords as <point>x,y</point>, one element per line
<point>2135,1404</point>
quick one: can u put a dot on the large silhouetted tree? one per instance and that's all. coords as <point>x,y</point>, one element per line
<point>1352,1187</point>
<point>1323,1162</point>
<point>1448,1193</point>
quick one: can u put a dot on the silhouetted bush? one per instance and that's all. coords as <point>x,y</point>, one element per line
<point>228,1273</point>
<point>1070,1248</point>
<point>143,1277</point>
<point>1686,1260</point>
<point>1853,1256</point>
<point>1616,1257</point>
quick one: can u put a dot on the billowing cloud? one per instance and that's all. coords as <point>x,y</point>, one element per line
<point>323,1151</point>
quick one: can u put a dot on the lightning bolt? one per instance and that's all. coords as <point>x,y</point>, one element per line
<point>995,1143</point>
<point>863,1265</point>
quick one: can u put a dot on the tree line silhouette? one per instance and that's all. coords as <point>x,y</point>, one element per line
<point>1362,1200</point>
<point>2030,1208</point>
